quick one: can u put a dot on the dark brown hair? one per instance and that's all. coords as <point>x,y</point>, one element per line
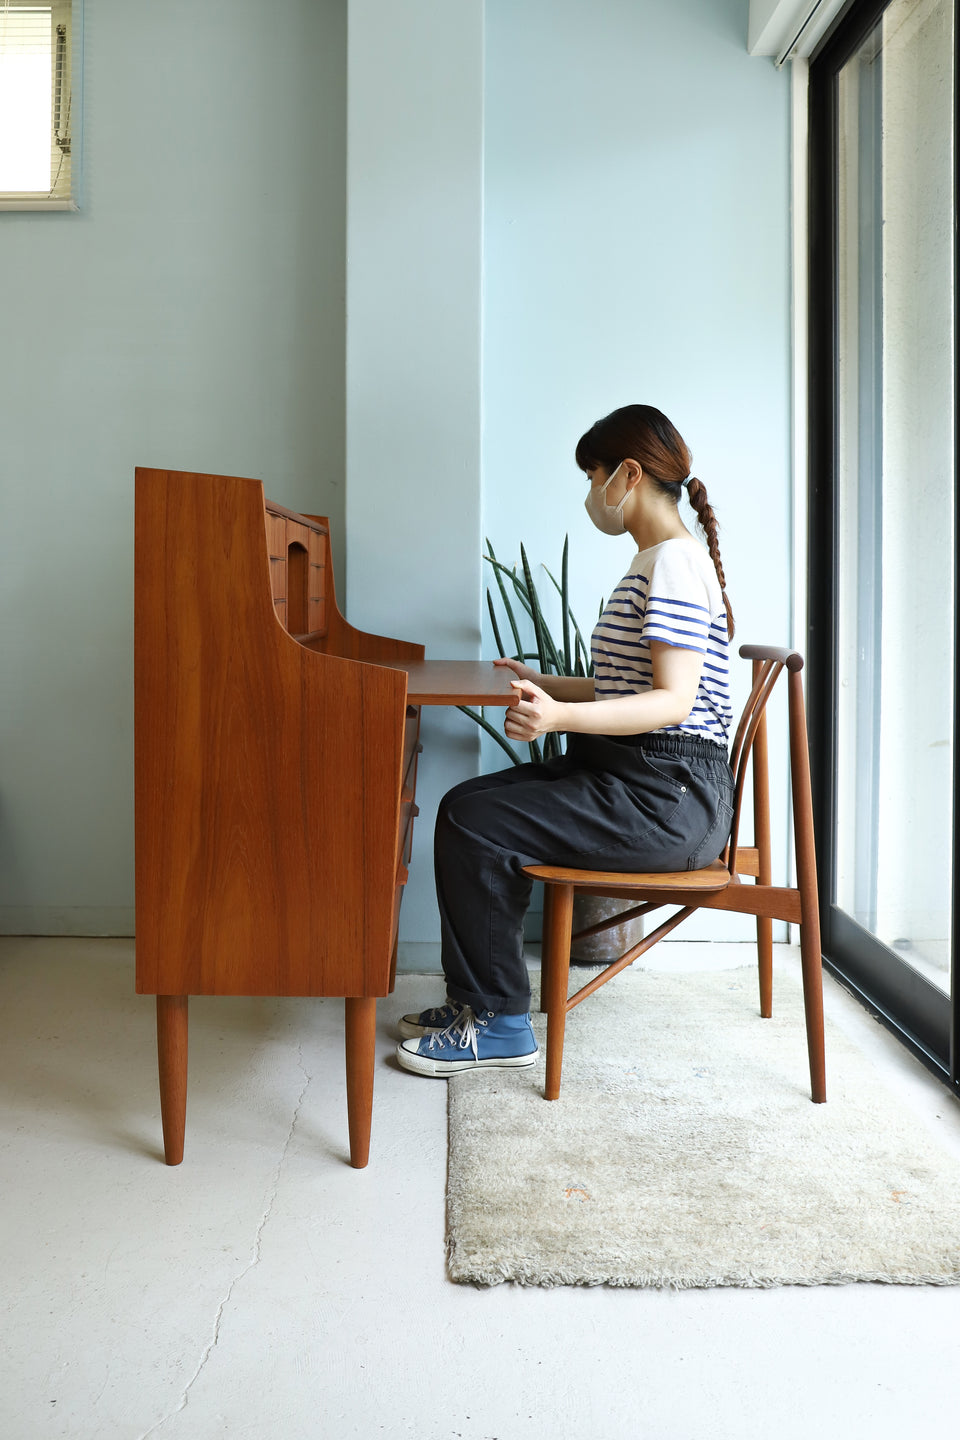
<point>643,433</point>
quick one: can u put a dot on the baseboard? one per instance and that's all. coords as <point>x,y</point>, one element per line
<point>114,920</point>
<point>415,957</point>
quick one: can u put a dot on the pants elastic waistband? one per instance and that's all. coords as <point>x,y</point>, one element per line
<point>693,747</point>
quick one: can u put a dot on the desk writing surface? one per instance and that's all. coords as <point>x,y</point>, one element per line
<point>457,682</point>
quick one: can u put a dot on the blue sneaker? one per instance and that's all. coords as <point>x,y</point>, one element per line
<point>472,1042</point>
<point>430,1022</point>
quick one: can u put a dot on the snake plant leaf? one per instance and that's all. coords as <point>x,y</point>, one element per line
<point>565,603</point>
<point>539,628</point>
<point>496,628</point>
<point>497,567</point>
<point>495,734</point>
<point>518,585</point>
<point>576,628</point>
<point>545,641</point>
<point>584,665</point>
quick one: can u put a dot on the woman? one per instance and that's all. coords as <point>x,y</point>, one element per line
<point>645,783</point>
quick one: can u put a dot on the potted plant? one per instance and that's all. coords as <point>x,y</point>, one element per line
<point>567,655</point>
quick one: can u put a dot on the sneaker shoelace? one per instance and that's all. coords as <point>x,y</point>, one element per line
<point>462,1034</point>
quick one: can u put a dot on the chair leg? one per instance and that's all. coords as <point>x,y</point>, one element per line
<point>172,1057</point>
<point>811,958</point>
<point>811,966</point>
<point>544,957</point>
<point>558,925</point>
<point>761,829</point>
<point>765,960</point>
<point>360,1032</point>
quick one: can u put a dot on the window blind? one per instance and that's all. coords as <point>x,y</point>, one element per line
<point>790,29</point>
<point>36,104</point>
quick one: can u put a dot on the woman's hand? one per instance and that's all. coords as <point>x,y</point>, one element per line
<point>532,713</point>
<point>523,671</point>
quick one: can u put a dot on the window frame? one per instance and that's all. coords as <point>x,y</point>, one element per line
<point>69,12</point>
<point>923,1016</point>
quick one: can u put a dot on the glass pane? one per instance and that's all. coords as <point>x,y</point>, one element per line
<point>896,470</point>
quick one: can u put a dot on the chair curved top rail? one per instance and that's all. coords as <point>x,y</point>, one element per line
<point>791,658</point>
<point>769,662</point>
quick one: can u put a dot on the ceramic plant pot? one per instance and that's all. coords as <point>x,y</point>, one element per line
<point>609,944</point>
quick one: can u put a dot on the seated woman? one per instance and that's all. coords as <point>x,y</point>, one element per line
<point>644,784</point>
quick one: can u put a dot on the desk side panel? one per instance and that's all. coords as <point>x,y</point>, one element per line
<point>268,777</point>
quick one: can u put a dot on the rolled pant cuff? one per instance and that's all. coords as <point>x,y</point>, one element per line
<point>499,1004</point>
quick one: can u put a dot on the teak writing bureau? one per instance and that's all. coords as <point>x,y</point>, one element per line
<point>276,762</point>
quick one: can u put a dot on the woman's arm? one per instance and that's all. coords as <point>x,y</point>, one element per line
<point>559,687</point>
<point>571,688</point>
<point>676,677</point>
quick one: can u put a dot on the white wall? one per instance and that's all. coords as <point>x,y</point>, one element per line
<point>191,316</point>
<point>636,248</point>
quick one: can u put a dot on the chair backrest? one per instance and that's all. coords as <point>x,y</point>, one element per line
<point>750,738</point>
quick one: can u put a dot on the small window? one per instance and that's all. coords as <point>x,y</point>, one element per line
<point>38,104</point>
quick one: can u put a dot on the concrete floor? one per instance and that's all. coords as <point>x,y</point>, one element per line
<point>264,1289</point>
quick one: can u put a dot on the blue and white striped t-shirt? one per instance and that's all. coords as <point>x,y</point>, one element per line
<point>670,593</point>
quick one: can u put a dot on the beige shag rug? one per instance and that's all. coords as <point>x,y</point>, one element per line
<point>685,1151</point>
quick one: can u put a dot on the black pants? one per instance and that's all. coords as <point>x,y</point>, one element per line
<point>650,802</point>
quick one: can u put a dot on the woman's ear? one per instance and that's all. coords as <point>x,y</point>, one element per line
<point>632,472</point>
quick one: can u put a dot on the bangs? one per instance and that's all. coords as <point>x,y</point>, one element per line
<point>590,452</point>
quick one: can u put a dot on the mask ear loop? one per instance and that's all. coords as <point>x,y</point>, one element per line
<point>620,504</point>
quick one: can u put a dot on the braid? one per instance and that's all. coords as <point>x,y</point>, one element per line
<point>697,493</point>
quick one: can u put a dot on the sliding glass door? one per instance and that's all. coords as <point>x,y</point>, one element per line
<point>883,509</point>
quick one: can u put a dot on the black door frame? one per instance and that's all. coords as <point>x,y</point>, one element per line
<point>921,1014</point>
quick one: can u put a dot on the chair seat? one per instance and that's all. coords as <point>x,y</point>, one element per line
<point>711,877</point>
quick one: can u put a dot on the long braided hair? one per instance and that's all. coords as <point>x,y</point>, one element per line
<point>643,433</point>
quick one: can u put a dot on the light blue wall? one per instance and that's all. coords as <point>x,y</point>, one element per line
<point>414,236</point>
<point>636,248</point>
<point>190,316</point>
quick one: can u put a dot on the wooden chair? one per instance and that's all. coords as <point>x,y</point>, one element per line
<point>717,887</point>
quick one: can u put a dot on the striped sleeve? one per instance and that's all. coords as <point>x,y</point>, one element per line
<point>678,610</point>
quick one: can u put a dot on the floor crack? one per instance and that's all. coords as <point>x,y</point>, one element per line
<point>250,1265</point>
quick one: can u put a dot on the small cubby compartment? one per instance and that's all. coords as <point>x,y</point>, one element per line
<point>298,574</point>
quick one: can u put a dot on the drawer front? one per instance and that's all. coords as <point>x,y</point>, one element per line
<point>317,584</point>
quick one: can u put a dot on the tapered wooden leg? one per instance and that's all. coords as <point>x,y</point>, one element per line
<point>761,838</point>
<point>544,960</point>
<point>811,965</point>
<point>172,1054</point>
<point>765,961</point>
<point>360,1029</point>
<point>811,959</point>
<point>556,950</point>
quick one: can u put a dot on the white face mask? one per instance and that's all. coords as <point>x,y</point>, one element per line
<point>608,518</point>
